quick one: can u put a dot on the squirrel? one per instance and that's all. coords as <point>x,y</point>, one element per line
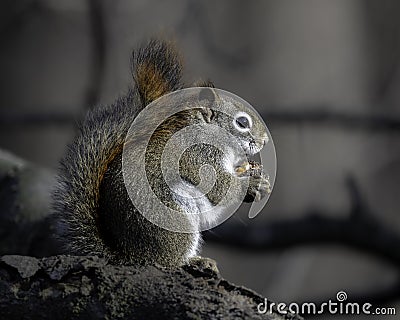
<point>92,209</point>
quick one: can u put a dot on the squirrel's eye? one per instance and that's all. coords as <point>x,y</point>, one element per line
<point>242,122</point>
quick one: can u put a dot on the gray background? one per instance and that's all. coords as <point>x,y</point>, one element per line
<point>289,59</point>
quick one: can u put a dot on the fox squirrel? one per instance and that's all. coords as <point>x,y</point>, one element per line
<point>93,211</point>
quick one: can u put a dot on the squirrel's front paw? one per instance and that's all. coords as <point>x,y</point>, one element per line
<point>259,187</point>
<point>206,265</point>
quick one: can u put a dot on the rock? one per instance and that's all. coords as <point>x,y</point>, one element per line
<point>25,207</point>
<point>73,287</point>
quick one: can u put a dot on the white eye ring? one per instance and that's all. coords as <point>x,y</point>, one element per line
<point>242,122</point>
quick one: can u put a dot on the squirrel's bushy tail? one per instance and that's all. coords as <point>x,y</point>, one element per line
<point>156,71</point>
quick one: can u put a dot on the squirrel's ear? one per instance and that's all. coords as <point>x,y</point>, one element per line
<point>156,69</point>
<point>207,94</point>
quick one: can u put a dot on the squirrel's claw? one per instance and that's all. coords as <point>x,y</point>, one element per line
<point>259,187</point>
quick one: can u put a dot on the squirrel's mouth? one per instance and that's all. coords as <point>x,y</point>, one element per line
<point>253,162</point>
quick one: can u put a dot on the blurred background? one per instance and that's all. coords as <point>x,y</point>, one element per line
<point>325,76</point>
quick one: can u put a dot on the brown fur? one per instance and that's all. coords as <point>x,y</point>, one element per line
<point>156,71</point>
